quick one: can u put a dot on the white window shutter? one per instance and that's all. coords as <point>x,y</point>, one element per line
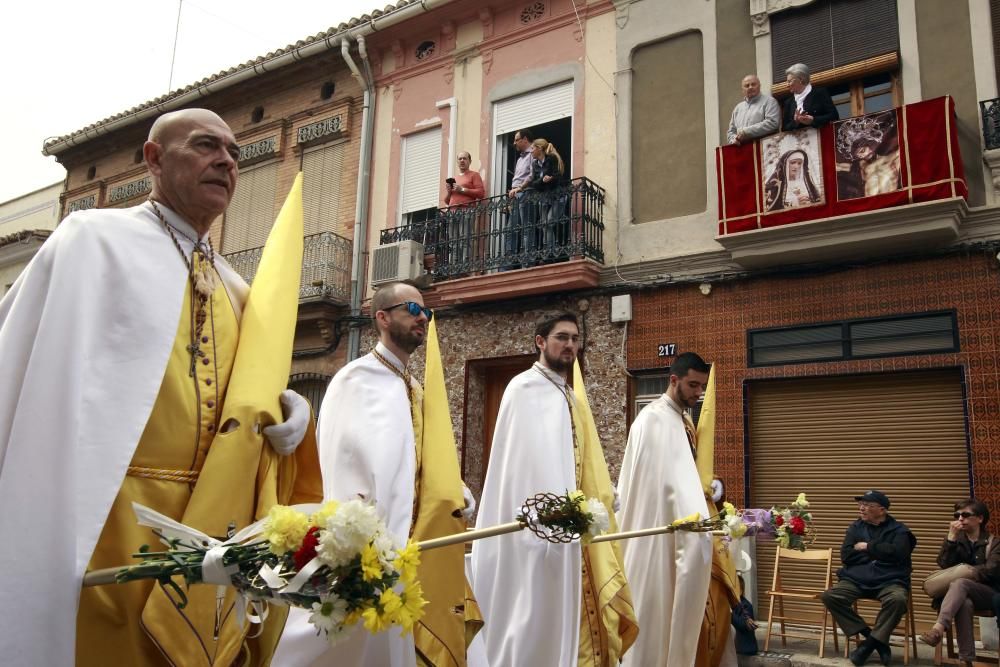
<point>421,172</point>
<point>534,108</point>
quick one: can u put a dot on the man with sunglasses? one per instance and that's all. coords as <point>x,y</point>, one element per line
<point>370,444</point>
<point>544,603</point>
<point>876,556</point>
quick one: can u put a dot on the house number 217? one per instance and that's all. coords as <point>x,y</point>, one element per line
<point>666,349</point>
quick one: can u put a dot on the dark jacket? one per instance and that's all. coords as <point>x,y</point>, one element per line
<point>746,638</point>
<point>817,104</point>
<point>549,166</point>
<point>887,559</point>
<point>984,554</point>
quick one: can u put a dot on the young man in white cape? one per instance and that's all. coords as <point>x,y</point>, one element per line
<point>371,446</point>
<point>659,483</point>
<point>544,603</point>
<point>116,345</point>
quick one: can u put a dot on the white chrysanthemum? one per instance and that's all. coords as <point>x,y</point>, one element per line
<point>735,526</point>
<point>328,614</point>
<point>600,522</point>
<point>386,548</point>
<point>347,532</point>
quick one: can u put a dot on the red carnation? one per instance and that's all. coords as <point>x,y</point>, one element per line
<point>308,549</point>
<point>779,520</point>
<point>797,525</point>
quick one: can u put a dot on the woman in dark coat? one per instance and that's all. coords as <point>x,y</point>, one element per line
<point>807,106</point>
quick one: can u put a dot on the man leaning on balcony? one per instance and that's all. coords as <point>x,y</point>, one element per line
<point>466,187</point>
<point>756,115</point>
<point>521,214</point>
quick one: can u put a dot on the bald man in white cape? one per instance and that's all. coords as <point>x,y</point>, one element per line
<point>669,574</point>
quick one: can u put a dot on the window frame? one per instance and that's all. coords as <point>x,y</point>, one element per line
<point>854,75</point>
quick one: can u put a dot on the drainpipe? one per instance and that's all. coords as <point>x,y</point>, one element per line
<point>452,130</point>
<point>364,180</point>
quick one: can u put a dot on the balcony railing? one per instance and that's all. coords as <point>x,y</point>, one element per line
<point>326,262</point>
<point>990,110</point>
<point>503,233</point>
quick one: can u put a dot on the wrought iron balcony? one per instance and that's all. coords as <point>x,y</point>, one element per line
<point>326,262</point>
<point>502,233</point>
<point>990,110</point>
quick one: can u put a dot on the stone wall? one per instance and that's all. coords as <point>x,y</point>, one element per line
<point>470,335</point>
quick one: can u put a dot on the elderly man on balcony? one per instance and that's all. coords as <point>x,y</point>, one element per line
<point>756,115</point>
<point>466,187</point>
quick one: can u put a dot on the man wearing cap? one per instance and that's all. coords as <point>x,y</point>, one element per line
<point>877,565</point>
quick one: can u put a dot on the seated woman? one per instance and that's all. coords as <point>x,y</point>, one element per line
<point>968,542</point>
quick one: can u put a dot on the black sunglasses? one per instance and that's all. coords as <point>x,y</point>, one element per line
<point>964,515</point>
<point>414,308</point>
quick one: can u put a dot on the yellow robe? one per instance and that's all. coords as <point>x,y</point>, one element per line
<point>176,438</point>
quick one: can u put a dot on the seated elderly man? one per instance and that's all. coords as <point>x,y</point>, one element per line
<point>756,115</point>
<point>876,565</point>
<point>808,106</point>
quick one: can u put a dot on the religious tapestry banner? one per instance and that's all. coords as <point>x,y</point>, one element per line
<point>891,158</point>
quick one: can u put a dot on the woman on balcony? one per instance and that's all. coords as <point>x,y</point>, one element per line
<point>547,175</point>
<point>970,543</point>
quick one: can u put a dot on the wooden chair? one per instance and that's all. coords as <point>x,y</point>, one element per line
<point>906,628</point>
<point>779,593</point>
<point>948,643</point>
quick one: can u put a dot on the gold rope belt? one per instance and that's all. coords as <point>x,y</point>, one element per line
<point>190,476</point>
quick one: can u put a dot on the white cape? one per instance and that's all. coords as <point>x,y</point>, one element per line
<point>366,449</point>
<point>85,334</point>
<point>529,590</point>
<point>669,574</point>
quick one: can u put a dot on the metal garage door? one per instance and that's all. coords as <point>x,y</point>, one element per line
<point>835,437</point>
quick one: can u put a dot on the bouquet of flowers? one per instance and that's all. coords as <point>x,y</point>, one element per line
<point>791,527</point>
<point>335,559</point>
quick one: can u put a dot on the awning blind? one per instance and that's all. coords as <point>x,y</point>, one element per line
<point>251,212</point>
<point>322,175</point>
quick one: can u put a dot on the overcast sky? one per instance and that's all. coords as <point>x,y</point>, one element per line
<point>68,64</point>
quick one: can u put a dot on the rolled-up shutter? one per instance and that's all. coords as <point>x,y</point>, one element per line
<point>833,438</point>
<point>534,108</point>
<point>421,183</point>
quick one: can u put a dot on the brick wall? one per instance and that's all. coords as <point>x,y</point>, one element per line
<point>715,326</point>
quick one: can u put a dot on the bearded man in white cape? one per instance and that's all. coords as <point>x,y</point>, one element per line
<point>659,483</point>
<point>544,603</point>
<point>371,447</point>
<point>116,344</point>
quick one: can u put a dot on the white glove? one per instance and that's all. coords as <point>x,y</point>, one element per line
<point>470,504</point>
<point>287,435</point>
<point>717,490</point>
<point>616,504</point>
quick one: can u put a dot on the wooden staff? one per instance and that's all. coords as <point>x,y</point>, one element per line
<point>646,532</point>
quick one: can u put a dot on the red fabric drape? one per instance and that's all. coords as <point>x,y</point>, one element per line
<point>930,168</point>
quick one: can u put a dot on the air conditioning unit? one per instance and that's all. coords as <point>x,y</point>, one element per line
<point>403,260</point>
